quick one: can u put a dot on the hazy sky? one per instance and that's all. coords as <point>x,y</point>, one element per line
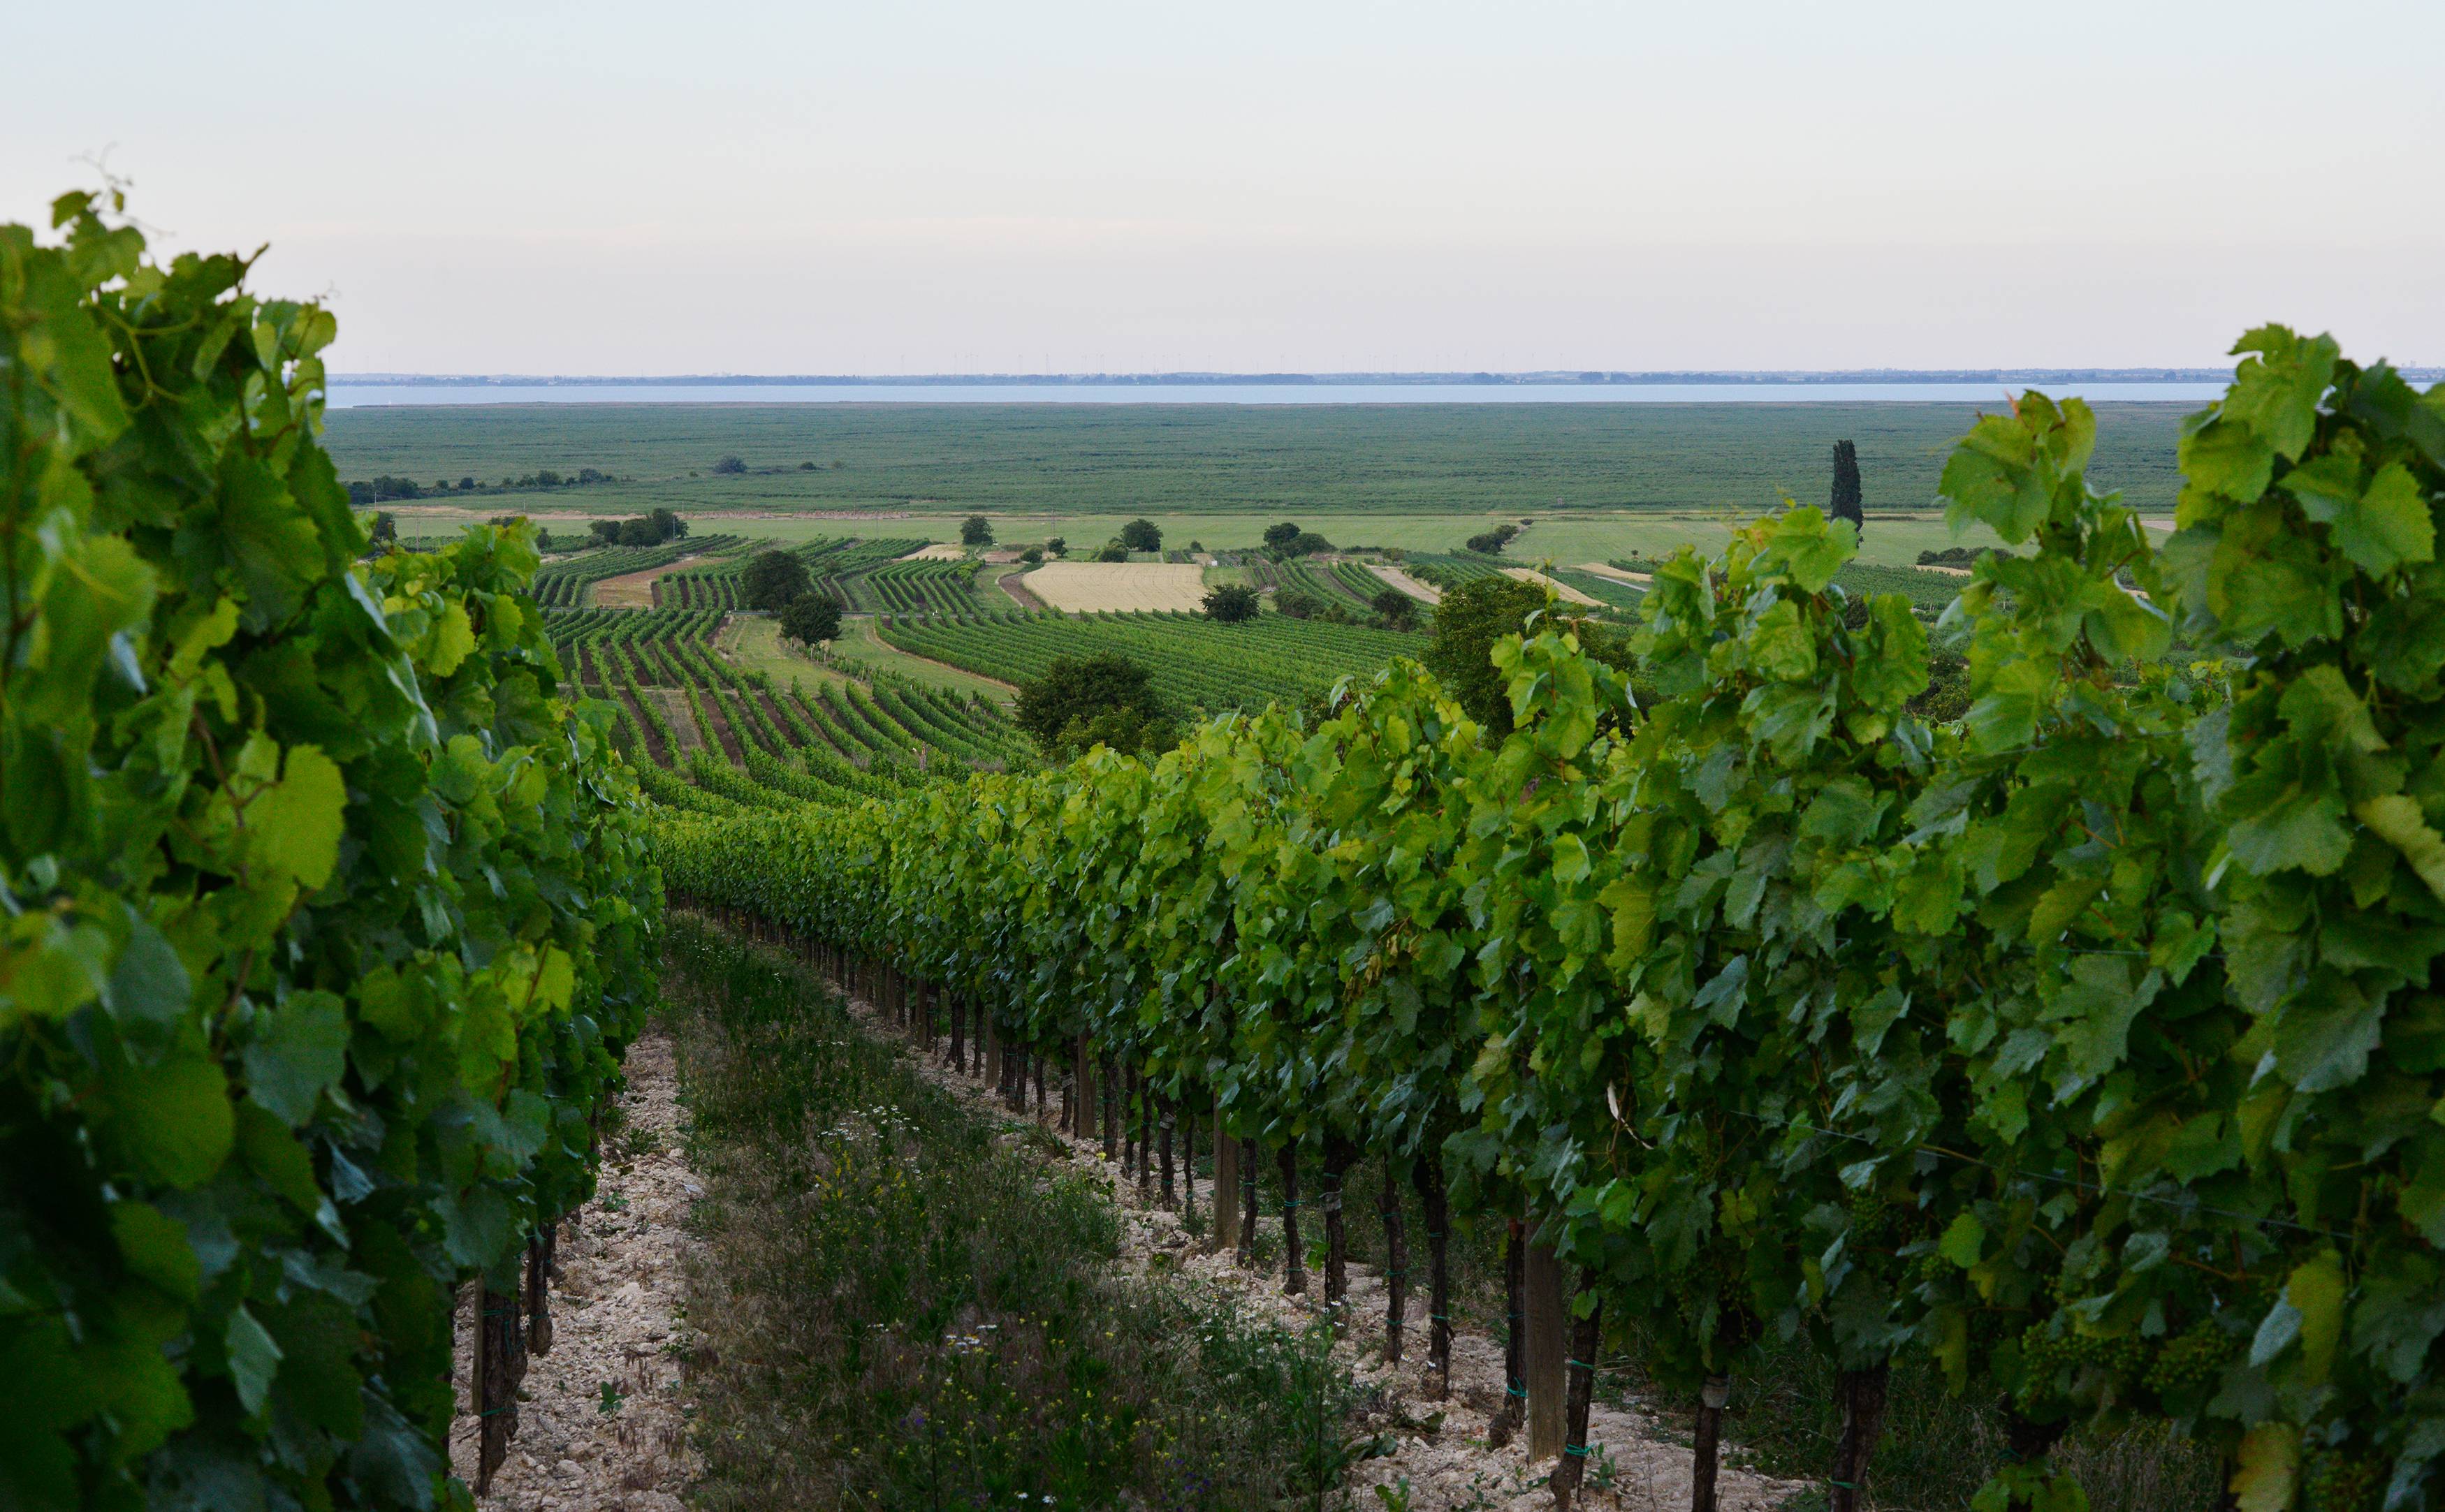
<point>725,186</point>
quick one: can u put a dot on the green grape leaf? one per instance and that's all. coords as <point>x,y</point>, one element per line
<point>149,985</point>
<point>2324,1039</point>
<point>174,1119</point>
<point>1964,1240</point>
<point>2225,458</point>
<point>2284,823</point>
<point>298,1055</point>
<point>1781,646</point>
<point>1808,546</point>
<point>2317,1289</point>
<point>2276,393</point>
<point>254,1358</point>
<point>2402,824</point>
<point>156,1248</point>
<point>2268,1464</point>
<point>294,825</point>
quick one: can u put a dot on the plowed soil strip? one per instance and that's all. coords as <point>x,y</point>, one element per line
<point>636,590</point>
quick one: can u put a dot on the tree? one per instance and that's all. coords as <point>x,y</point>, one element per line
<point>975,531</point>
<point>639,532</point>
<point>1468,622</point>
<point>606,533</point>
<point>773,578</point>
<point>1141,536</point>
<point>1307,542</point>
<point>810,617</point>
<point>1083,689</point>
<point>1232,602</point>
<point>1846,487</point>
<point>1394,605</point>
<point>1056,547</point>
<point>1281,536</point>
<point>1112,551</point>
<point>667,525</point>
<point>465,484</point>
<point>1493,541</point>
<point>730,464</point>
<point>386,528</point>
<point>1130,729</point>
<point>1031,556</point>
<point>1297,605</point>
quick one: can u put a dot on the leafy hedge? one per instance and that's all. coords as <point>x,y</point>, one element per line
<point>326,915</point>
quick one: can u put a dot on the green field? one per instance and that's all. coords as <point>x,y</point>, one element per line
<point>1196,663</point>
<point>1196,461</point>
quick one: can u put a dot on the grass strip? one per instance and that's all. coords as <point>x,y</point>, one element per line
<point>896,1304</point>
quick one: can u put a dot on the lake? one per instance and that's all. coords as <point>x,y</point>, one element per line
<point>355,396</point>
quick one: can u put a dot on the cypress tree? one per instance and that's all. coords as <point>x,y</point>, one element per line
<point>1846,486</point>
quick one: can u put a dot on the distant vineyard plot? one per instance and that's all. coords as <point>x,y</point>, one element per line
<point>1196,662</point>
<point>1094,587</point>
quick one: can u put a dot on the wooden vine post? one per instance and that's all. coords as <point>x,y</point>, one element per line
<point>1587,1337</point>
<point>1396,1262</point>
<point>1862,1396</point>
<point>1293,1261</point>
<point>1544,1354</point>
<point>1227,1187</point>
<point>1427,1175</point>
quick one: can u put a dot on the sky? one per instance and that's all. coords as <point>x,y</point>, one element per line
<point>737,187</point>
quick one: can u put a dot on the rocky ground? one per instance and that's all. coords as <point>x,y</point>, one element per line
<point>616,1306</point>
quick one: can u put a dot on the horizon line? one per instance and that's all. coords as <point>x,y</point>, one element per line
<point>2163,374</point>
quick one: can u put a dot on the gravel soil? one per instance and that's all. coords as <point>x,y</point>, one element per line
<point>615,1306</point>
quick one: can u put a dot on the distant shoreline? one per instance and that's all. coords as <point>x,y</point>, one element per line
<point>1761,379</point>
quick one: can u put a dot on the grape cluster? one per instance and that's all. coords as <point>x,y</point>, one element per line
<point>2189,1359</point>
<point>2338,1481</point>
<point>2046,1352</point>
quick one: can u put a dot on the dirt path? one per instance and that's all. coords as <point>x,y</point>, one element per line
<point>615,1308</point>
<point>1451,1471</point>
<point>681,719</point>
<point>636,590</point>
<point>1008,583</point>
<point>1423,592</point>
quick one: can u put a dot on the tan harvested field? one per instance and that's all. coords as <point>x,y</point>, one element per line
<point>1423,592</point>
<point>938,551</point>
<point>1091,586</point>
<point>1608,569</point>
<point>1568,594</point>
<point>636,590</point>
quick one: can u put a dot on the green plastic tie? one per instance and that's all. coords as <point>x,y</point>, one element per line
<point>1844,1485</point>
<point>1581,1364</point>
<point>1516,1392</point>
<point>1575,1448</point>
